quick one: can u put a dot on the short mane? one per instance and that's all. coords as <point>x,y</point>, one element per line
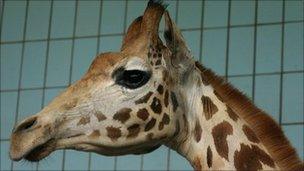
<point>268,131</point>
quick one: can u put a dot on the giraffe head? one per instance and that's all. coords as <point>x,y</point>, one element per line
<point>125,103</point>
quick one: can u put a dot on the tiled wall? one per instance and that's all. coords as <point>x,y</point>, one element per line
<point>47,45</point>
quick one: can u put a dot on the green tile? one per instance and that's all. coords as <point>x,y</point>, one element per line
<point>267,94</point>
<point>38,20</point>
<point>216,13</point>
<point>189,14</point>
<point>270,11</point>
<point>112,23</point>
<point>8,112</point>
<point>214,50</point>
<point>241,51</point>
<point>293,47</point>
<point>242,12</point>
<point>84,53</point>
<point>63,19</point>
<point>124,162</point>
<point>10,65</point>
<point>13,20</point>
<point>76,160</point>
<point>87,18</point>
<point>33,64</point>
<point>59,59</point>
<point>295,133</point>
<point>268,52</point>
<point>294,10</point>
<point>292,107</point>
<point>156,160</point>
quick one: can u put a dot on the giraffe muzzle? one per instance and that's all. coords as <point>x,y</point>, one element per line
<point>32,140</point>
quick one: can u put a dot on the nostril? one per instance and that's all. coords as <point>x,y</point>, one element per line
<point>26,124</point>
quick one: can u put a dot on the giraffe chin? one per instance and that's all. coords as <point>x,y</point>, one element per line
<point>41,151</point>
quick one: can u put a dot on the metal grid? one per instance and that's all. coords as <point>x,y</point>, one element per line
<point>99,35</point>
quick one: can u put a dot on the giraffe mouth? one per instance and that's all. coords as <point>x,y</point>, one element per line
<point>41,151</point>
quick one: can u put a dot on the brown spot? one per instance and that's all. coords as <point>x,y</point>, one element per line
<point>143,114</point>
<point>209,107</point>
<point>159,55</point>
<point>158,62</point>
<point>113,133</point>
<point>250,158</point>
<point>122,115</point>
<point>197,131</point>
<point>177,128</point>
<point>166,119</point>
<point>84,120</point>
<point>71,104</point>
<point>245,159</point>
<point>144,99</point>
<point>100,116</point>
<point>197,164</point>
<point>149,136</point>
<point>165,75</point>
<point>264,157</point>
<point>160,126</point>
<point>204,80</point>
<point>174,101</point>
<point>94,134</point>
<point>133,130</point>
<point>218,96</point>
<point>220,133</point>
<point>156,105</point>
<point>166,99</point>
<point>250,134</point>
<point>209,157</point>
<point>150,124</point>
<point>231,114</point>
<point>160,89</point>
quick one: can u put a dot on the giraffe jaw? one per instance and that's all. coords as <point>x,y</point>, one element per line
<point>39,151</point>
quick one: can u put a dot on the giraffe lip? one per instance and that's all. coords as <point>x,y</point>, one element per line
<point>41,151</point>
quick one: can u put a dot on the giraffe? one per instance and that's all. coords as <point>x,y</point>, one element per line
<point>151,94</point>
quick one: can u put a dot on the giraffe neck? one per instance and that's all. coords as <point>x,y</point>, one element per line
<point>213,135</point>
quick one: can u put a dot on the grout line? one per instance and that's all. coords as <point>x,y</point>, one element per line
<point>1,21</point>
<point>282,63</point>
<point>254,50</point>
<point>229,76</point>
<point>120,34</point>
<point>21,67</point>
<point>202,32</point>
<point>228,39</point>
<point>71,67</point>
<point>97,51</point>
<point>46,61</point>
<point>292,123</point>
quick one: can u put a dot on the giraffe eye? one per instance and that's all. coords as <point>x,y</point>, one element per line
<point>132,79</point>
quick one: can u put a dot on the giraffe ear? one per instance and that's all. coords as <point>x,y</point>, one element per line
<point>181,55</point>
<point>133,31</point>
